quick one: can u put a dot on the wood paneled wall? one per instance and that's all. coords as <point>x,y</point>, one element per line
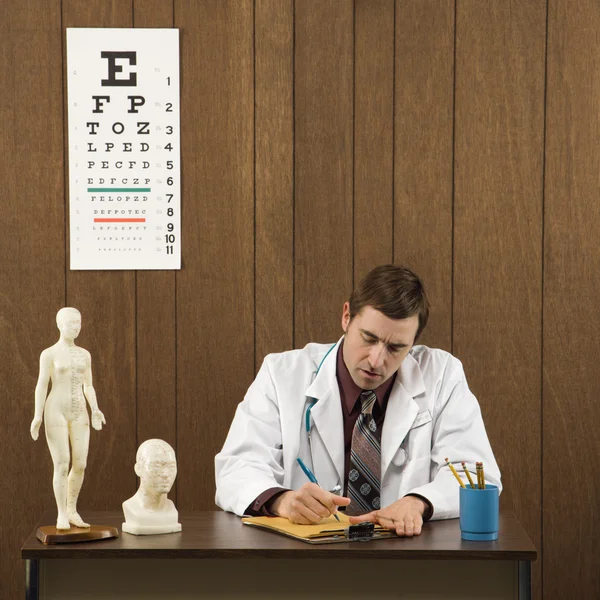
<point>498,195</point>
<point>320,138</point>
<point>571,288</point>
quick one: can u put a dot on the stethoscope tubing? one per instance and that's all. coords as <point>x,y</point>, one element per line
<point>307,422</point>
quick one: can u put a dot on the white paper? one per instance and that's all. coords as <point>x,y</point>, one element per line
<point>124,157</point>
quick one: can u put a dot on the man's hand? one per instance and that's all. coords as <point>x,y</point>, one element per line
<point>307,505</point>
<point>405,516</point>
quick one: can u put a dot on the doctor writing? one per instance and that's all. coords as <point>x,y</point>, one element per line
<point>373,416</point>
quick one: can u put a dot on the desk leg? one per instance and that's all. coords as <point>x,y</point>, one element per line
<point>524,580</point>
<point>32,579</point>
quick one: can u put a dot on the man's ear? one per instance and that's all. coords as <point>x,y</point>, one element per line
<point>137,470</point>
<point>346,316</point>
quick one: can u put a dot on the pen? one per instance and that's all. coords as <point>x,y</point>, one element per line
<point>464,466</point>
<point>311,477</point>
<point>455,473</point>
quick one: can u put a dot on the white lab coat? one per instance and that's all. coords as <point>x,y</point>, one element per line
<point>431,414</point>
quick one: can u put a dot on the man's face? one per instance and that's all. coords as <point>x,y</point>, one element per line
<point>375,345</point>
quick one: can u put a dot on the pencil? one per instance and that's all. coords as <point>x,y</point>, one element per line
<point>455,474</point>
<point>464,466</point>
<point>480,479</point>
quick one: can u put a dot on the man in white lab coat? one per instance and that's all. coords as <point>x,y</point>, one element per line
<point>306,404</point>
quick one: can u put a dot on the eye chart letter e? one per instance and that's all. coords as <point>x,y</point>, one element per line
<point>124,157</point>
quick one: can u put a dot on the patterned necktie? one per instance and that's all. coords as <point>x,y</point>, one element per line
<point>364,478</point>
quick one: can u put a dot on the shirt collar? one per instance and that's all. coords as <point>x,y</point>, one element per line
<point>350,392</point>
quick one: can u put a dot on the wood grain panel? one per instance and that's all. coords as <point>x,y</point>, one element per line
<point>323,86</point>
<point>423,154</point>
<point>153,13</point>
<point>571,290</point>
<point>274,31</point>
<point>215,289</point>
<point>373,134</point>
<point>106,300</point>
<point>32,271</point>
<point>155,312</point>
<point>500,71</point>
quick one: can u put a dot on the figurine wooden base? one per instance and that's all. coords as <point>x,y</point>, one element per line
<point>50,535</point>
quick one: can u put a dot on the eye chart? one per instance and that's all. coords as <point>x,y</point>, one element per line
<point>124,158</point>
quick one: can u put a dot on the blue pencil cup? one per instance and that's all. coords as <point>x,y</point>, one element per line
<point>479,513</point>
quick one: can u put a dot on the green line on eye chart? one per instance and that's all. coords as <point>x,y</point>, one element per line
<point>119,189</point>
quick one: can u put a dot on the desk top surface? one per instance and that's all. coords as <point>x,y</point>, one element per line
<point>215,534</point>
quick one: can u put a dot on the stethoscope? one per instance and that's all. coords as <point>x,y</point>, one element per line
<point>307,423</point>
<point>337,489</point>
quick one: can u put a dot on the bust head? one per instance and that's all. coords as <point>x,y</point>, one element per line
<point>156,466</point>
<point>68,321</point>
<point>149,511</point>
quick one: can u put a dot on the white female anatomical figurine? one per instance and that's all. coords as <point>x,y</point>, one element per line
<point>69,368</point>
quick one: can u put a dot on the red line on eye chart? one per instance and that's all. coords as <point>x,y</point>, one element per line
<point>119,220</point>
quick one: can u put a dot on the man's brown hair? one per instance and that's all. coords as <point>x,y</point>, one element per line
<point>393,290</point>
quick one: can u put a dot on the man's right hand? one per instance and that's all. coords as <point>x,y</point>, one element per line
<point>307,505</point>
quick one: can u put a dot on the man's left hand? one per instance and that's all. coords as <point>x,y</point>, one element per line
<point>405,516</point>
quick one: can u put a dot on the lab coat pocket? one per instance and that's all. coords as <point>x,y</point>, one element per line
<point>417,443</point>
<point>421,419</point>
<point>275,463</point>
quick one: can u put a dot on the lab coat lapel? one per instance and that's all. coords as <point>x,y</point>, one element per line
<point>326,414</point>
<point>401,410</point>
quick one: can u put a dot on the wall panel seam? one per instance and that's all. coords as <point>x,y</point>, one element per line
<point>394,139</point>
<point>137,361</point>
<point>453,190</point>
<point>353,140</point>
<point>293,173</point>
<point>174,306</point>
<point>542,308</point>
<point>65,182</point>
<point>254,169</point>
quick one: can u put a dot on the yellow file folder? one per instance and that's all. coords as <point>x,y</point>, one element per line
<point>327,531</point>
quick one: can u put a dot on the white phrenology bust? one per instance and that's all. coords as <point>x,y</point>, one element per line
<point>149,511</point>
<point>67,423</point>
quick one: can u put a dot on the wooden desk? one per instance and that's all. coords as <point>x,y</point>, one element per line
<point>218,556</point>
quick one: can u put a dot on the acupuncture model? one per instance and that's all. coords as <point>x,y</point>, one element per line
<point>66,421</point>
<point>149,511</point>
